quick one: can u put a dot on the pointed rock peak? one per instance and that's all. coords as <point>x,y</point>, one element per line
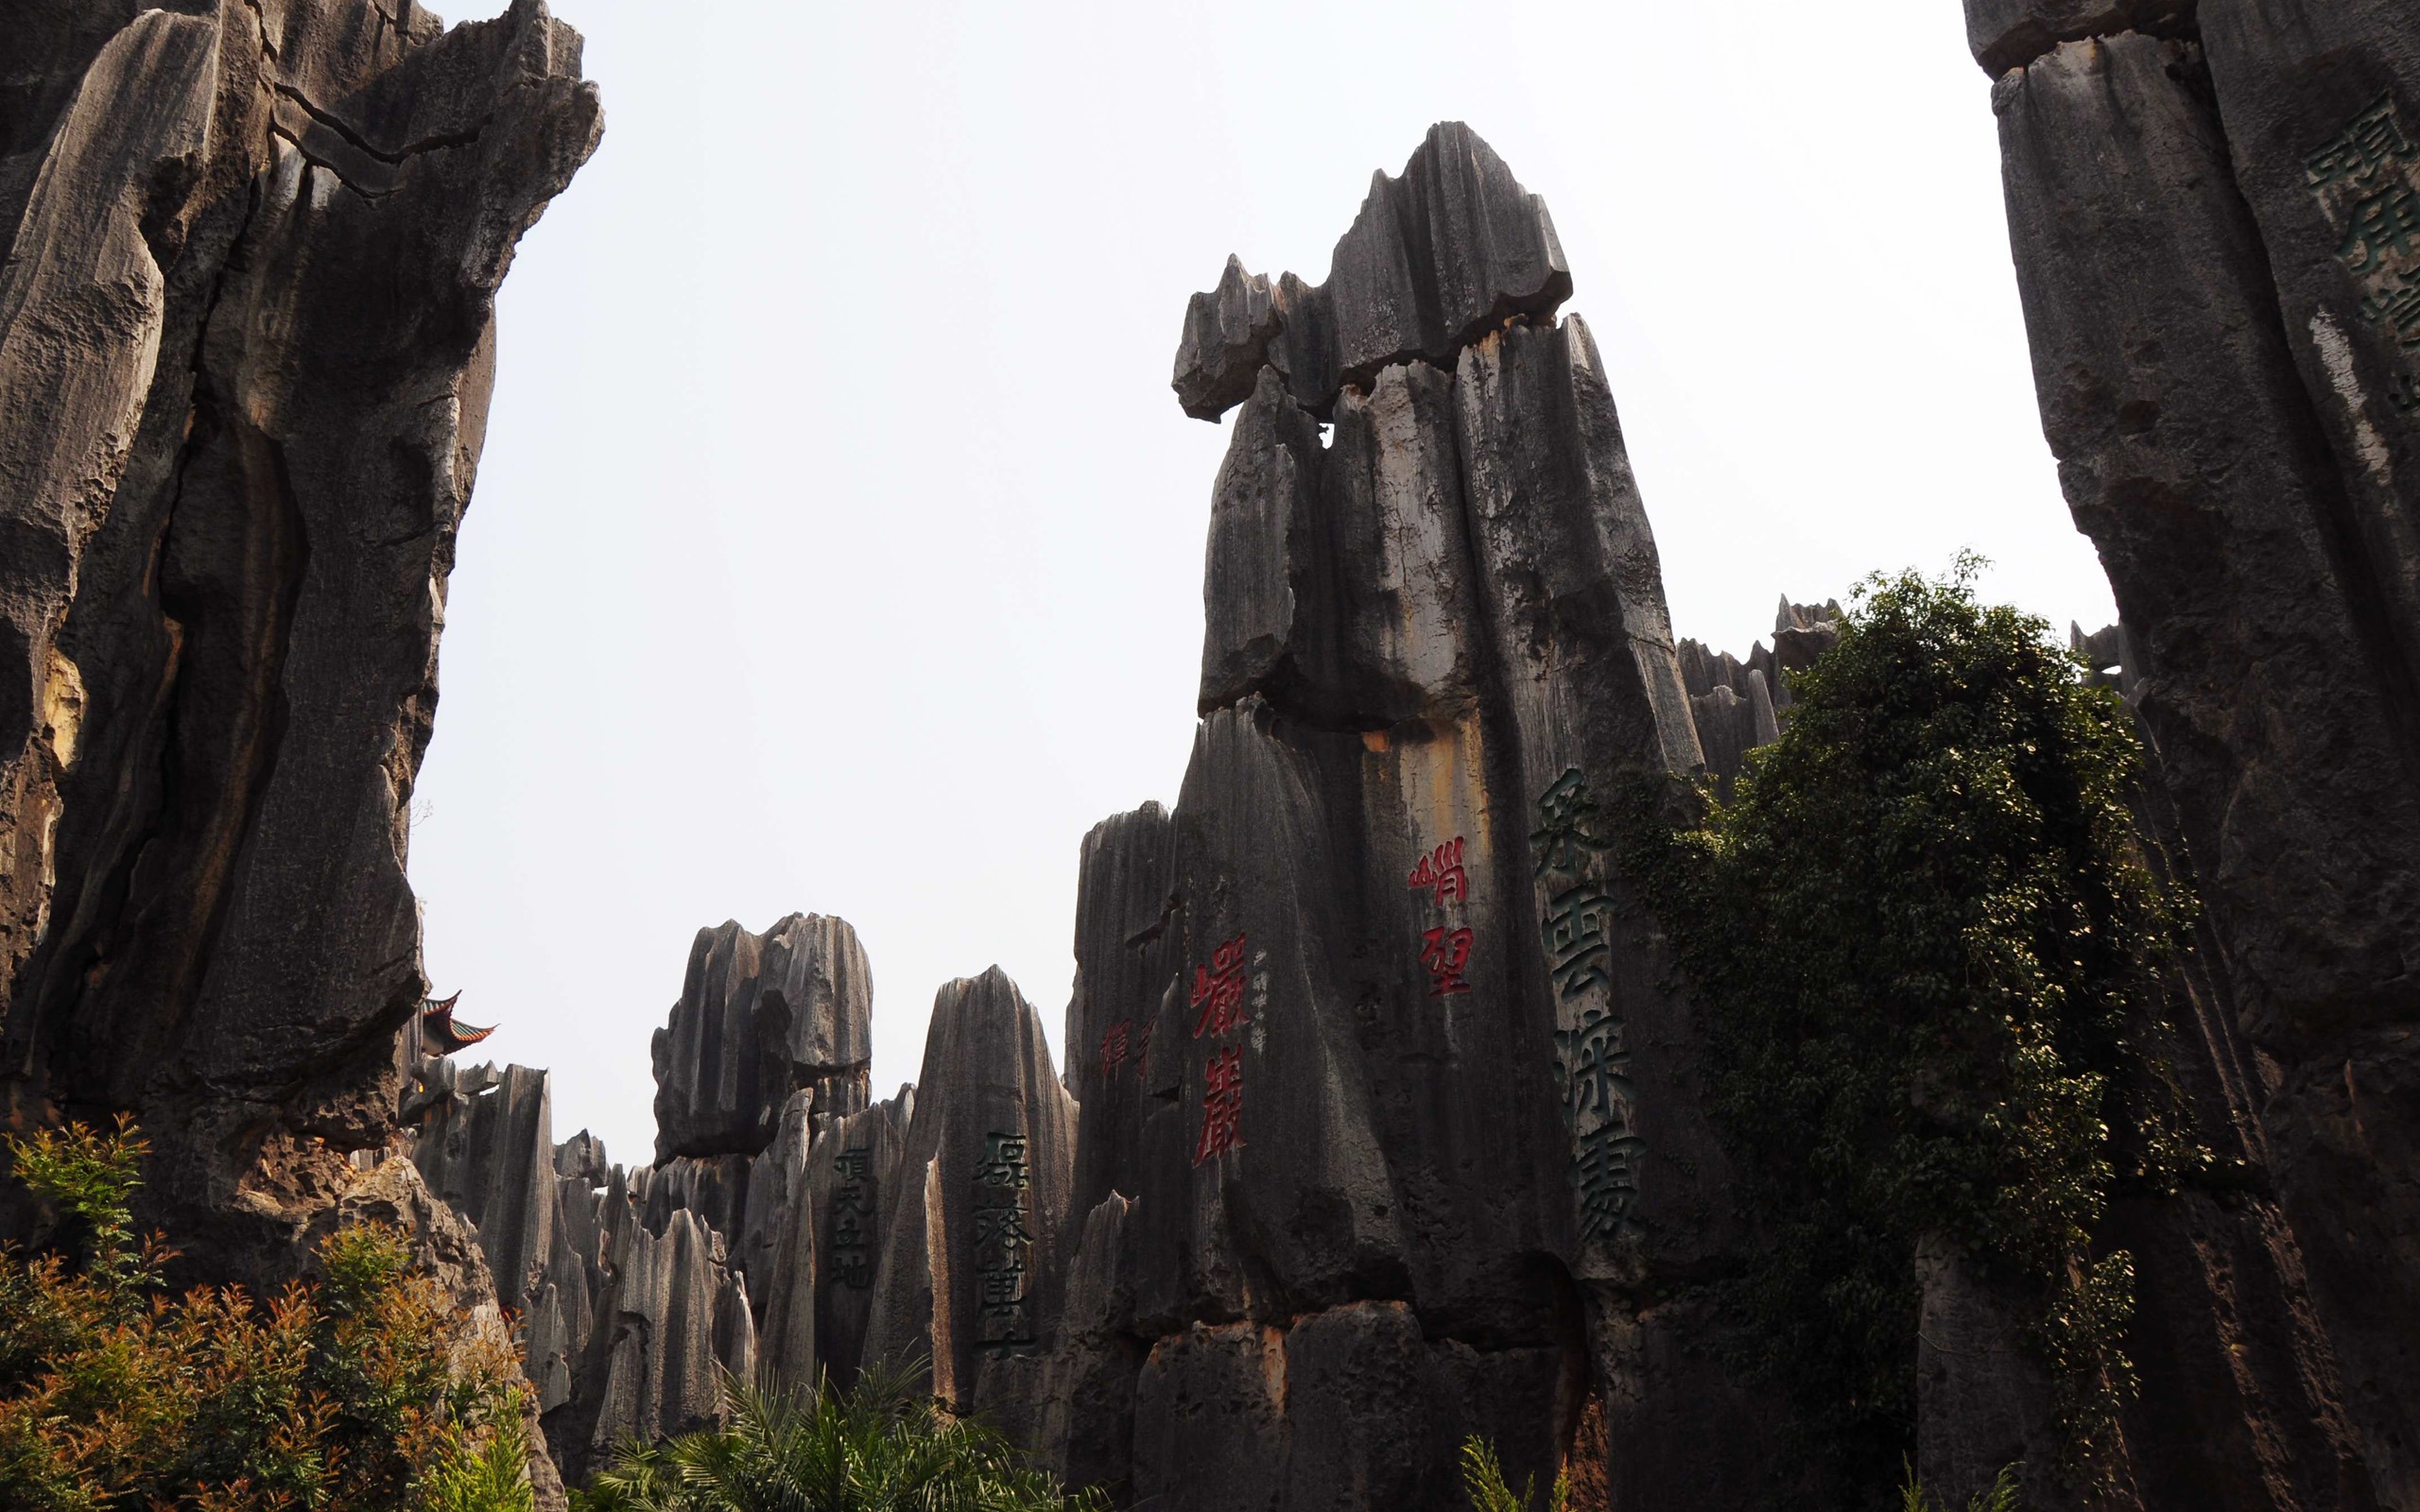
<point>1437,257</point>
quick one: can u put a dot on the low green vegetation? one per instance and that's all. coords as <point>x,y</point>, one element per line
<point>880,1446</point>
<point>365,1392</point>
<point>1483,1479</point>
<point>1929,950</point>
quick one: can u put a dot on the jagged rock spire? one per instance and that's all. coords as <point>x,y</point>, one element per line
<point>1435,259</point>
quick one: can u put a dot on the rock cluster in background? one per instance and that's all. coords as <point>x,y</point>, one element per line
<point>1736,705</point>
<point>2216,216</point>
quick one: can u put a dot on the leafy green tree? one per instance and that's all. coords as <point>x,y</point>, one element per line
<point>878,1447</point>
<point>365,1393</point>
<point>1931,953</point>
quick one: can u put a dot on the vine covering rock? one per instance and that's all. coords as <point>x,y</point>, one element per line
<point>1930,948</point>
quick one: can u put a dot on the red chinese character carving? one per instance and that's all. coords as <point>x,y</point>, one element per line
<point>1143,1053</point>
<point>1445,951</point>
<point>1222,1105</point>
<point>1112,1045</point>
<point>1218,991</point>
<point>1442,869</point>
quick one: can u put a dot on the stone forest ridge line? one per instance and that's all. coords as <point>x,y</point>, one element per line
<point>1380,1124</point>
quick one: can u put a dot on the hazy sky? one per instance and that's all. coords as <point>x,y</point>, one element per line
<point>839,543</point>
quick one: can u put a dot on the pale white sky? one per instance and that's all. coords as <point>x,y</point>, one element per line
<point>838,541</point>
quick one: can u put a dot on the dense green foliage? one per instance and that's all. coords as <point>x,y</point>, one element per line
<point>1483,1479</point>
<point>365,1393</point>
<point>1929,953</point>
<point>880,1446</point>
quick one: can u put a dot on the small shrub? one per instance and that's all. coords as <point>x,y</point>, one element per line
<point>1483,1478</point>
<point>366,1393</point>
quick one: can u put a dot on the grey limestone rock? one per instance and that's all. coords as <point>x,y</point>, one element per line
<point>1125,904</point>
<point>1730,724</point>
<point>1388,1131</point>
<point>975,1227</point>
<point>1227,334</point>
<point>832,1238</point>
<point>2187,231</point>
<point>1086,1400</point>
<point>1349,1406</point>
<point>250,257</point>
<point>2006,34</point>
<point>759,1018</point>
<point>486,1145</point>
<point>1436,258</point>
<point>1263,519</point>
<point>677,1319</point>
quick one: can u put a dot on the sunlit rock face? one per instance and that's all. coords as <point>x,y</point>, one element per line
<point>251,251</point>
<point>2211,208</point>
<point>762,1017</point>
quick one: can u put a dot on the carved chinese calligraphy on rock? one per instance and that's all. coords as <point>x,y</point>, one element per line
<point>2364,177</point>
<point>1441,871</point>
<point>852,1218</point>
<point>1003,1245</point>
<point>1218,991</point>
<point>1222,1105</point>
<point>1592,1057</point>
<point>1444,952</point>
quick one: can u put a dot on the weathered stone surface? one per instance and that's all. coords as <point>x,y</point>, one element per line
<point>245,353</point>
<point>1730,726</point>
<point>1086,1418</point>
<point>1125,901</point>
<point>1227,333</point>
<point>1984,1396</point>
<point>1801,632</point>
<point>486,1145</point>
<point>1420,629</point>
<point>1263,522</point>
<point>2008,34</point>
<point>759,1018</point>
<point>975,1227</point>
<point>1349,1407</point>
<point>1436,258</point>
<point>2212,390</point>
<point>678,1320</point>
<point>835,1243</point>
